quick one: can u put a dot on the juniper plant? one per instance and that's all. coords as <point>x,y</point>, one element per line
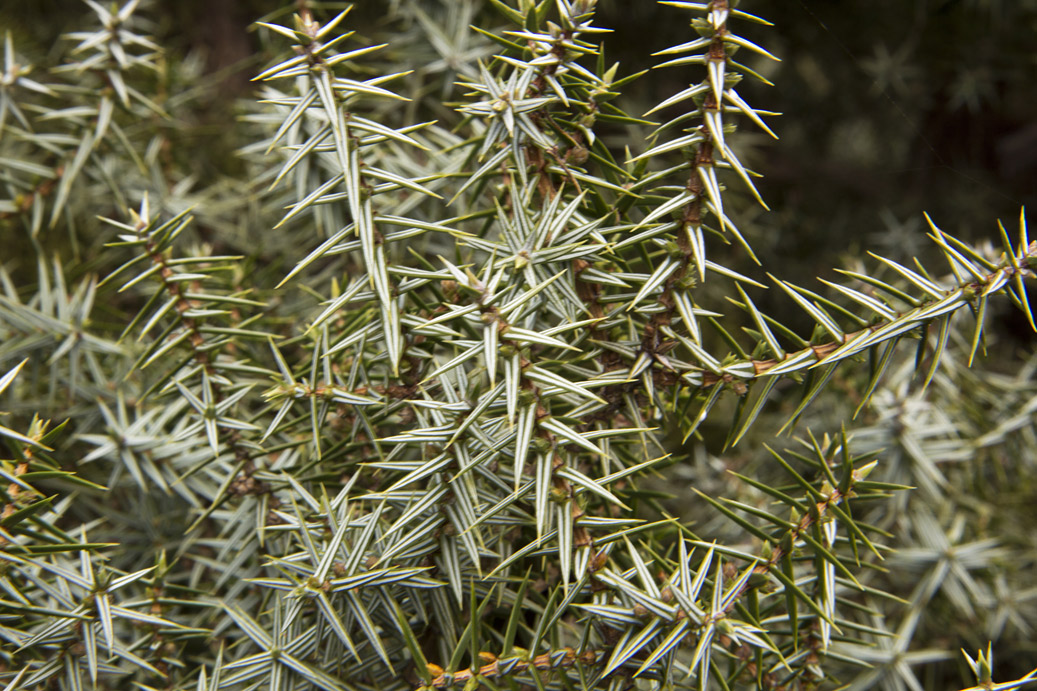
<point>461,382</point>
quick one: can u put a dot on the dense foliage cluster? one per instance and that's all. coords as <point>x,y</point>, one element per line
<point>457,378</point>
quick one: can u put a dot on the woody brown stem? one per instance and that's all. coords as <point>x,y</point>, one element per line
<point>559,659</point>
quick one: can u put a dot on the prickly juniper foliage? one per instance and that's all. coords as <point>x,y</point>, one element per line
<point>461,382</point>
